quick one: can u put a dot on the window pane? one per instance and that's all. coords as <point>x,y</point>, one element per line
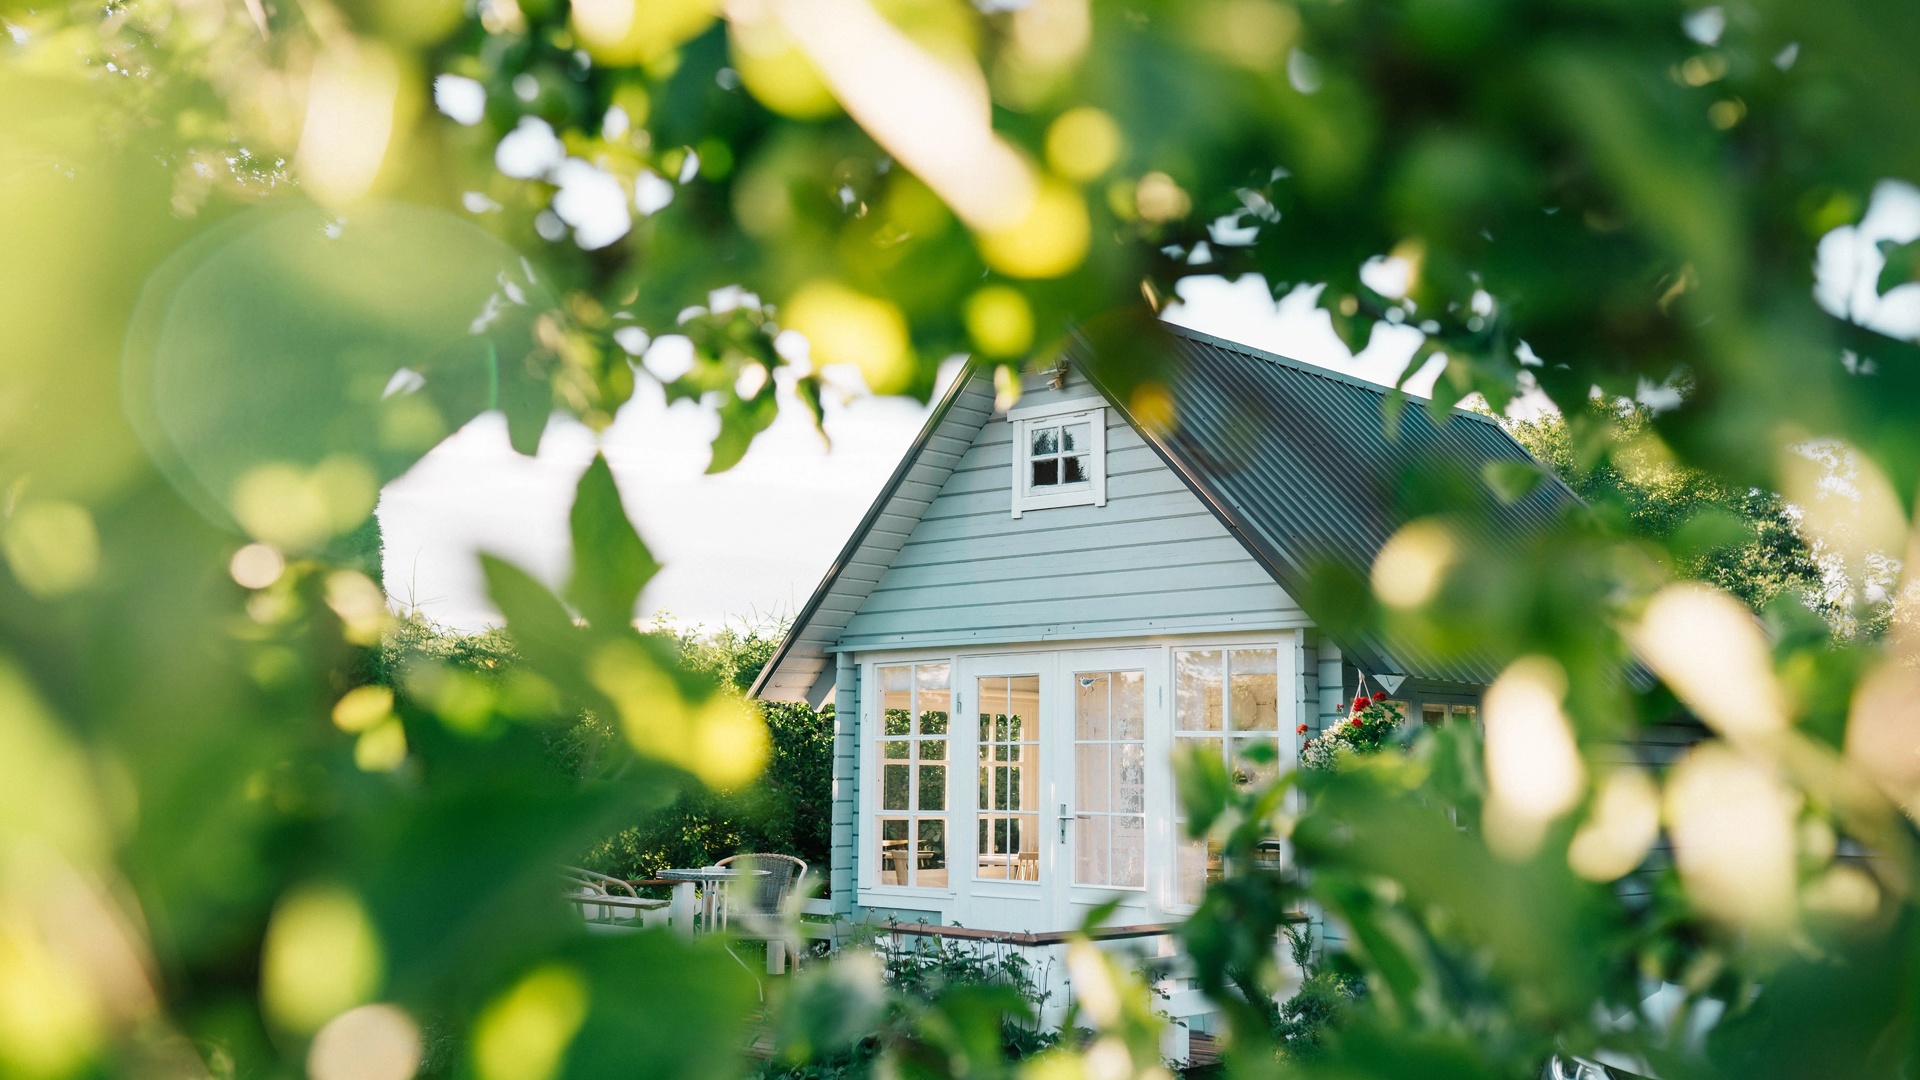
<point>1129,705</point>
<point>1130,778</point>
<point>895,749</point>
<point>1090,851</point>
<point>1433,714</point>
<point>1463,712</point>
<point>933,787</point>
<point>1023,697</point>
<point>1090,778</point>
<point>930,854</point>
<point>1046,472</point>
<point>991,698</point>
<point>1191,745</point>
<point>1073,470</point>
<point>893,787</point>
<point>1090,701</point>
<point>929,677</point>
<point>1045,440</point>
<point>933,749</point>
<point>1024,839</point>
<point>896,698</point>
<point>1247,772</point>
<point>934,699</point>
<point>1075,437</point>
<point>1190,870</point>
<point>893,852</point>
<point>1129,858</point>
<point>1196,689</point>
<point>1255,698</point>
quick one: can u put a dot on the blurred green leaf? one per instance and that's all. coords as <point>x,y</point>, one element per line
<point>1902,265</point>
<point>611,564</point>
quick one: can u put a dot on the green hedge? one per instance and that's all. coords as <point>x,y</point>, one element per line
<point>787,810</point>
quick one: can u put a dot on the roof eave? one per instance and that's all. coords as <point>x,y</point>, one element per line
<point>852,546</point>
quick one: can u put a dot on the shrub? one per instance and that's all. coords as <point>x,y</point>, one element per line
<point>930,990</point>
<point>786,810</point>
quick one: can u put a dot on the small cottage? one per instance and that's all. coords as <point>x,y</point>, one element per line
<point>1046,600</point>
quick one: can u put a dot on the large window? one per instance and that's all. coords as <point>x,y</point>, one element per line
<point>915,703</point>
<point>1059,456</point>
<point>1110,779</point>
<point>1009,820</point>
<point>1226,702</point>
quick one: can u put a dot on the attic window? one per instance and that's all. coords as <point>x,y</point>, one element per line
<point>1059,455</point>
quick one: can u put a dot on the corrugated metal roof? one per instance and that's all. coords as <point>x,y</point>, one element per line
<point>1299,462</point>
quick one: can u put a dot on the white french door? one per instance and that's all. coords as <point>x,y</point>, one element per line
<point>1113,707</point>
<point>1064,790</point>
<point>1004,806</point>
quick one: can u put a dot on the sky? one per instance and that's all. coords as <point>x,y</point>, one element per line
<point>748,546</point>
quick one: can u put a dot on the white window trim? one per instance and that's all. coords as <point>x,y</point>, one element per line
<point>1023,419</point>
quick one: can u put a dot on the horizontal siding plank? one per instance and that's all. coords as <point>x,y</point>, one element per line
<point>1179,550</point>
<point>999,502</point>
<point>1096,608</point>
<point>1239,572</point>
<point>1095,536</point>
<point>1142,508</point>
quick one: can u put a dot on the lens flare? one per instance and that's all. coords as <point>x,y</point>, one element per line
<point>1710,650</point>
<point>1534,770</point>
<point>372,1042</point>
<point>1733,838</point>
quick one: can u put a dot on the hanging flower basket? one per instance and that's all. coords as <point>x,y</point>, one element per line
<point>1369,725</point>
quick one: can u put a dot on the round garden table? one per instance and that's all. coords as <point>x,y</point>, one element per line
<point>713,881</point>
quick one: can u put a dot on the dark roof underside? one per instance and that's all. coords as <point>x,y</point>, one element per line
<point>1298,460</point>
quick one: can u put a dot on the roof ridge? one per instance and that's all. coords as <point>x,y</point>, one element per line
<point>1316,370</point>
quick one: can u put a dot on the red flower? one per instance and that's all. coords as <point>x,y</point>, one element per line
<point>1356,721</point>
<point>1360,702</point>
<point>1380,696</point>
<point>1302,730</point>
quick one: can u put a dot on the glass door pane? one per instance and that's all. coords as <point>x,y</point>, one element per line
<point>1110,779</point>
<point>1009,815</point>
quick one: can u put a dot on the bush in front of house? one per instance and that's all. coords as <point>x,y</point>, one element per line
<point>912,1006</point>
<point>785,810</point>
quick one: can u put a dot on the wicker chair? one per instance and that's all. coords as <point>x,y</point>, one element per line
<point>756,906</point>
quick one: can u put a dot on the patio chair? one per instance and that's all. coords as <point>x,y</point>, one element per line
<point>608,903</point>
<point>759,903</point>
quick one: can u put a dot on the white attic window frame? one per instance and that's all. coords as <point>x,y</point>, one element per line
<point>1031,418</point>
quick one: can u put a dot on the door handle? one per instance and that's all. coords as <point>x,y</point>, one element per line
<point>1064,818</point>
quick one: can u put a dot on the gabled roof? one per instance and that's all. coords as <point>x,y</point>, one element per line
<point>1301,464</point>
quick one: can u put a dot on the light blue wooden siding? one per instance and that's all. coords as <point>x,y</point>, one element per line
<point>1153,560</point>
<point>843,856</point>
